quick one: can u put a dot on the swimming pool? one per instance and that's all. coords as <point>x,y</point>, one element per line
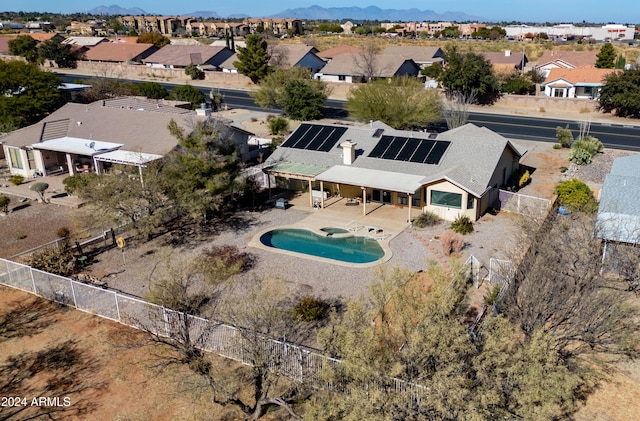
<point>345,249</point>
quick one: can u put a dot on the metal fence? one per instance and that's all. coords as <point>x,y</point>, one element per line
<point>291,360</point>
<point>501,273</point>
<point>536,207</point>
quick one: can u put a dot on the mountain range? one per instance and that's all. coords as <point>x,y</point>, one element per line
<point>320,13</point>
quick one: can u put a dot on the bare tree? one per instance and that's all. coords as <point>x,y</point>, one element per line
<point>455,109</point>
<point>367,61</point>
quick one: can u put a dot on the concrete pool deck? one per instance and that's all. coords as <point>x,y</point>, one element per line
<point>382,223</point>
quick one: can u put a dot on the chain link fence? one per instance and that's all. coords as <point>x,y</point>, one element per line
<point>535,207</point>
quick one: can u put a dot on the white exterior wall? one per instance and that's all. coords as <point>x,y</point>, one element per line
<point>333,78</point>
<point>450,214</point>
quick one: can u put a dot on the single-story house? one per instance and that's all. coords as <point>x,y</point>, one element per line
<point>287,56</point>
<point>355,68</point>
<point>583,82</point>
<point>558,59</point>
<point>45,36</point>
<point>338,50</point>
<point>84,41</point>
<point>423,56</point>
<point>454,173</point>
<point>119,52</point>
<point>79,138</point>
<point>227,66</point>
<point>180,56</point>
<point>619,210</point>
<point>507,61</point>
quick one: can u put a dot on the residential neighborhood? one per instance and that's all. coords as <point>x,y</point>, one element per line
<point>219,216</point>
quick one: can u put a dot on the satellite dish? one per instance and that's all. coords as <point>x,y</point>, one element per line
<point>92,145</point>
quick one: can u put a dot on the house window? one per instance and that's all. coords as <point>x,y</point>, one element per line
<point>342,78</point>
<point>470,201</point>
<point>558,93</point>
<point>31,159</point>
<point>446,199</point>
<point>16,158</point>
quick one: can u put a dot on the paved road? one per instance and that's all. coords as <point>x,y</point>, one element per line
<point>612,135</point>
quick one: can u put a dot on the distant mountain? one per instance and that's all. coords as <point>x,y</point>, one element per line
<point>116,10</point>
<point>374,13</point>
<point>203,14</point>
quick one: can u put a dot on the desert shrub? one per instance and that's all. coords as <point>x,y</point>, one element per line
<point>223,262</point>
<point>275,142</point>
<point>194,72</point>
<point>451,242</point>
<point>492,295</point>
<point>564,136</point>
<point>4,203</point>
<point>576,195</point>
<point>278,125</point>
<point>57,260</point>
<point>311,309</point>
<point>63,232</point>
<point>462,225</point>
<point>16,179</point>
<point>583,150</point>
<point>76,184</point>
<point>426,219</point>
<point>521,177</point>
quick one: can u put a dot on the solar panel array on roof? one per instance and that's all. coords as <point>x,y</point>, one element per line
<point>424,151</point>
<point>314,137</point>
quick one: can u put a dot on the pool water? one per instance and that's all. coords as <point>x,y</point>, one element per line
<point>346,249</point>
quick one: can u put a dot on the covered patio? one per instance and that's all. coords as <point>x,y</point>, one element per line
<point>69,154</point>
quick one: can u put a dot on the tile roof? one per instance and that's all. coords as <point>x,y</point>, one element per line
<point>108,51</point>
<point>183,55</point>
<point>348,64</point>
<point>417,54</point>
<point>514,59</point>
<point>228,63</point>
<point>473,174</point>
<point>572,58</point>
<point>340,49</point>
<point>41,37</point>
<point>289,55</point>
<point>578,75</point>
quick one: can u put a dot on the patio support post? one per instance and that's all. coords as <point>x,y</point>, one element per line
<point>310,194</point>
<point>322,195</point>
<point>410,198</point>
<point>364,201</point>
<point>70,163</point>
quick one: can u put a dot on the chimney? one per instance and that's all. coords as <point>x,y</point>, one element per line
<point>348,152</point>
<point>507,53</point>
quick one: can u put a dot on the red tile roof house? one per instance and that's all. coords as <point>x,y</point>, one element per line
<point>506,61</point>
<point>180,56</point>
<point>423,56</point>
<point>91,137</point>
<point>565,60</point>
<point>338,50</point>
<point>583,82</point>
<point>349,68</point>
<point>113,52</point>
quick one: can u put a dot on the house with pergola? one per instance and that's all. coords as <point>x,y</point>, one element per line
<point>454,173</point>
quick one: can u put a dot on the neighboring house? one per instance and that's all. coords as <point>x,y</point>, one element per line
<point>287,56</point>
<point>79,138</point>
<point>556,59</point>
<point>217,29</point>
<point>507,61</point>
<point>42,37</point>
<point>619,209</point>
<point>338,50</point>
<point>180,56</point>
<point>423,56</point>
<point>90,28</point>
<point>11,25</point>
<point>85,41</point>
<point>353,68</point>
<point>119,52</point>
<point>583,82</point>
<point>454,173</point>
<point>227,66</point>
<point>166,25</point>
<point>347,27</point>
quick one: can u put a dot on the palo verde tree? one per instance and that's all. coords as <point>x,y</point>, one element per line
<point>469,74</point>
<point>295,91</point>
<point>402,103</point>
<point>28,94</point>
<point>606,57</point>
<point>253,60</point>
<point>621,94</point>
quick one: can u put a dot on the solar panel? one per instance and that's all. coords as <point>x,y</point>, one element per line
<point>320,138</point>
<point>408,150</point>
<point>436,153</point>
<point>332,139</point>
<point>295,136</point>
<point>380,147</point>
<point>305,140</point>
<point>394,148</point>
<point>422,151</point>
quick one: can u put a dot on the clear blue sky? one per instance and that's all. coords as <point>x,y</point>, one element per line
<point>619,11</point>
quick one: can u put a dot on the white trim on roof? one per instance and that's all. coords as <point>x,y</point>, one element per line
<point>127,157</point>
<point>77,146</point>
<point>377,179</point>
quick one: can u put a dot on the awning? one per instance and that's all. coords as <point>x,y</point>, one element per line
<point>127,157</point>
<point>383,180</point>
<point>74,145</point>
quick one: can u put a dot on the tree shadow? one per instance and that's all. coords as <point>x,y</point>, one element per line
<point>26,317</point>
